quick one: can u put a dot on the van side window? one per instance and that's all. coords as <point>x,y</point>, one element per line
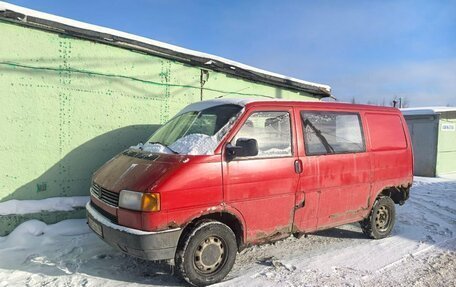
<point>272,132</point>
<point>332,133</point>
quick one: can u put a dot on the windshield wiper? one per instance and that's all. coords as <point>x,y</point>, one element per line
<point>318,133</point>
<point>162,144</point>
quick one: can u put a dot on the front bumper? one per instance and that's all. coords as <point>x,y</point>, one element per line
<point>159,245</point>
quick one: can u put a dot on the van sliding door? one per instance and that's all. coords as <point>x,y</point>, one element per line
<point>336,169</point>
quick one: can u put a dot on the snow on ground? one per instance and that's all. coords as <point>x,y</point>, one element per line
<point>420,252</point>
<point>14,206</point>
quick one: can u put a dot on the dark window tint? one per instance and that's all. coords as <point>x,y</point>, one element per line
<point>332,133</point>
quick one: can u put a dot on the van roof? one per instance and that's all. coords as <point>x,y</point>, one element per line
<point>321,104</point>
<point>250,102</point>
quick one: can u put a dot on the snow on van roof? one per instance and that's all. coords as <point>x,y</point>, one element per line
<point>426,110</point>
<point>199,106</point>
<point>114,37</point>
<point>202,105</point>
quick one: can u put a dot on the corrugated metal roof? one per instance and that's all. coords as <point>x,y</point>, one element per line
<point>427,110</point>
<point>75,28</point>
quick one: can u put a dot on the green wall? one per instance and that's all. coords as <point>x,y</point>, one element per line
<point>446,149</point>
<point>68,105</point>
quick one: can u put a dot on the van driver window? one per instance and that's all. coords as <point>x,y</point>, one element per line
<point>272,132</point>
<point>332,133</point>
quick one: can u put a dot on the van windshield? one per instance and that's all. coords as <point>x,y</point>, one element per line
<point>193,132</point>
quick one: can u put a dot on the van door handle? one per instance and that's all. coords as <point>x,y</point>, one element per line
<point>298,166</point>
<point>301,204</point>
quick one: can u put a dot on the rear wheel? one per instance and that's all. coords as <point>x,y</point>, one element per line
<point>381,220</point>
<point>206,253</point>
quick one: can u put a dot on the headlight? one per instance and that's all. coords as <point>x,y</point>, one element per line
<point>139,201</point>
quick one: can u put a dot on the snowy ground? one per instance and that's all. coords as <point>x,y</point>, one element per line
<point>421,252</point>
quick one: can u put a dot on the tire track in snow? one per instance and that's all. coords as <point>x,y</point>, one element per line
<point>421,251</point>
<point>425,227</point>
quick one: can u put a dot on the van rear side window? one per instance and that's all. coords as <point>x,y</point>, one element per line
<point>386,132</point>
<point>332,133</point>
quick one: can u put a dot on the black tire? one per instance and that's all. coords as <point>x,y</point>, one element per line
<point>206,253</point>
<point>380,221</point>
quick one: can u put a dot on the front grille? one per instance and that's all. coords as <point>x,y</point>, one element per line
<point>106,214</point>
<point>105,195</point>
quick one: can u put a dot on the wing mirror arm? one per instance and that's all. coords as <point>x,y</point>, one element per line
<point>232,151</point>
<point>244,147</point>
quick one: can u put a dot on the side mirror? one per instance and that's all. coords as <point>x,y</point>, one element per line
<point>243,147</point>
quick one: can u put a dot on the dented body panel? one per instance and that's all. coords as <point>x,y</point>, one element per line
<point>268,198</point>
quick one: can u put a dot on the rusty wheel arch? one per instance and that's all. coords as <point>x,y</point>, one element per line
<point>399,194</point>
<point>225,217</point>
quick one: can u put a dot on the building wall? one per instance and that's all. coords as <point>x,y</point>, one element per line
<point>446,150</point>
<point>68,105</point>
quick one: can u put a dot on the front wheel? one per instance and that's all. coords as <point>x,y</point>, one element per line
<point>206,253</point>
<point>380,221</point>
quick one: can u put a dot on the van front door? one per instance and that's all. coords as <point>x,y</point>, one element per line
<point>263,187</point>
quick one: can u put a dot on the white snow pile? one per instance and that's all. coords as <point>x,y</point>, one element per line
<point>49,204</point>
<point>26,233</point>
<point>420,252</point>
<point>152,147</point>
<point>195,144</point>
<point>192,144</point>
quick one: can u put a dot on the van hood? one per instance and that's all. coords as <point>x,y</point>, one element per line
<point>136,170</point>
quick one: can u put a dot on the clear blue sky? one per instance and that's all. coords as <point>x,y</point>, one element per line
<point>370,50</point>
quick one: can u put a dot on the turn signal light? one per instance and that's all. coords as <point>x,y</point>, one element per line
<point>150,202</point>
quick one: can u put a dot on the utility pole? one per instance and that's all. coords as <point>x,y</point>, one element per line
<point>397,101</point>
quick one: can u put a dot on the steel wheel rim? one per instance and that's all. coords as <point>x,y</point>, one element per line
<point>210,255</point>
<point>382,218</point>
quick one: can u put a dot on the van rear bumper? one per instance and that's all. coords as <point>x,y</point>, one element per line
<point>159,245</point>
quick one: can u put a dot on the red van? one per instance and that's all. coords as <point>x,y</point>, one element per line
<point>225,174</point>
